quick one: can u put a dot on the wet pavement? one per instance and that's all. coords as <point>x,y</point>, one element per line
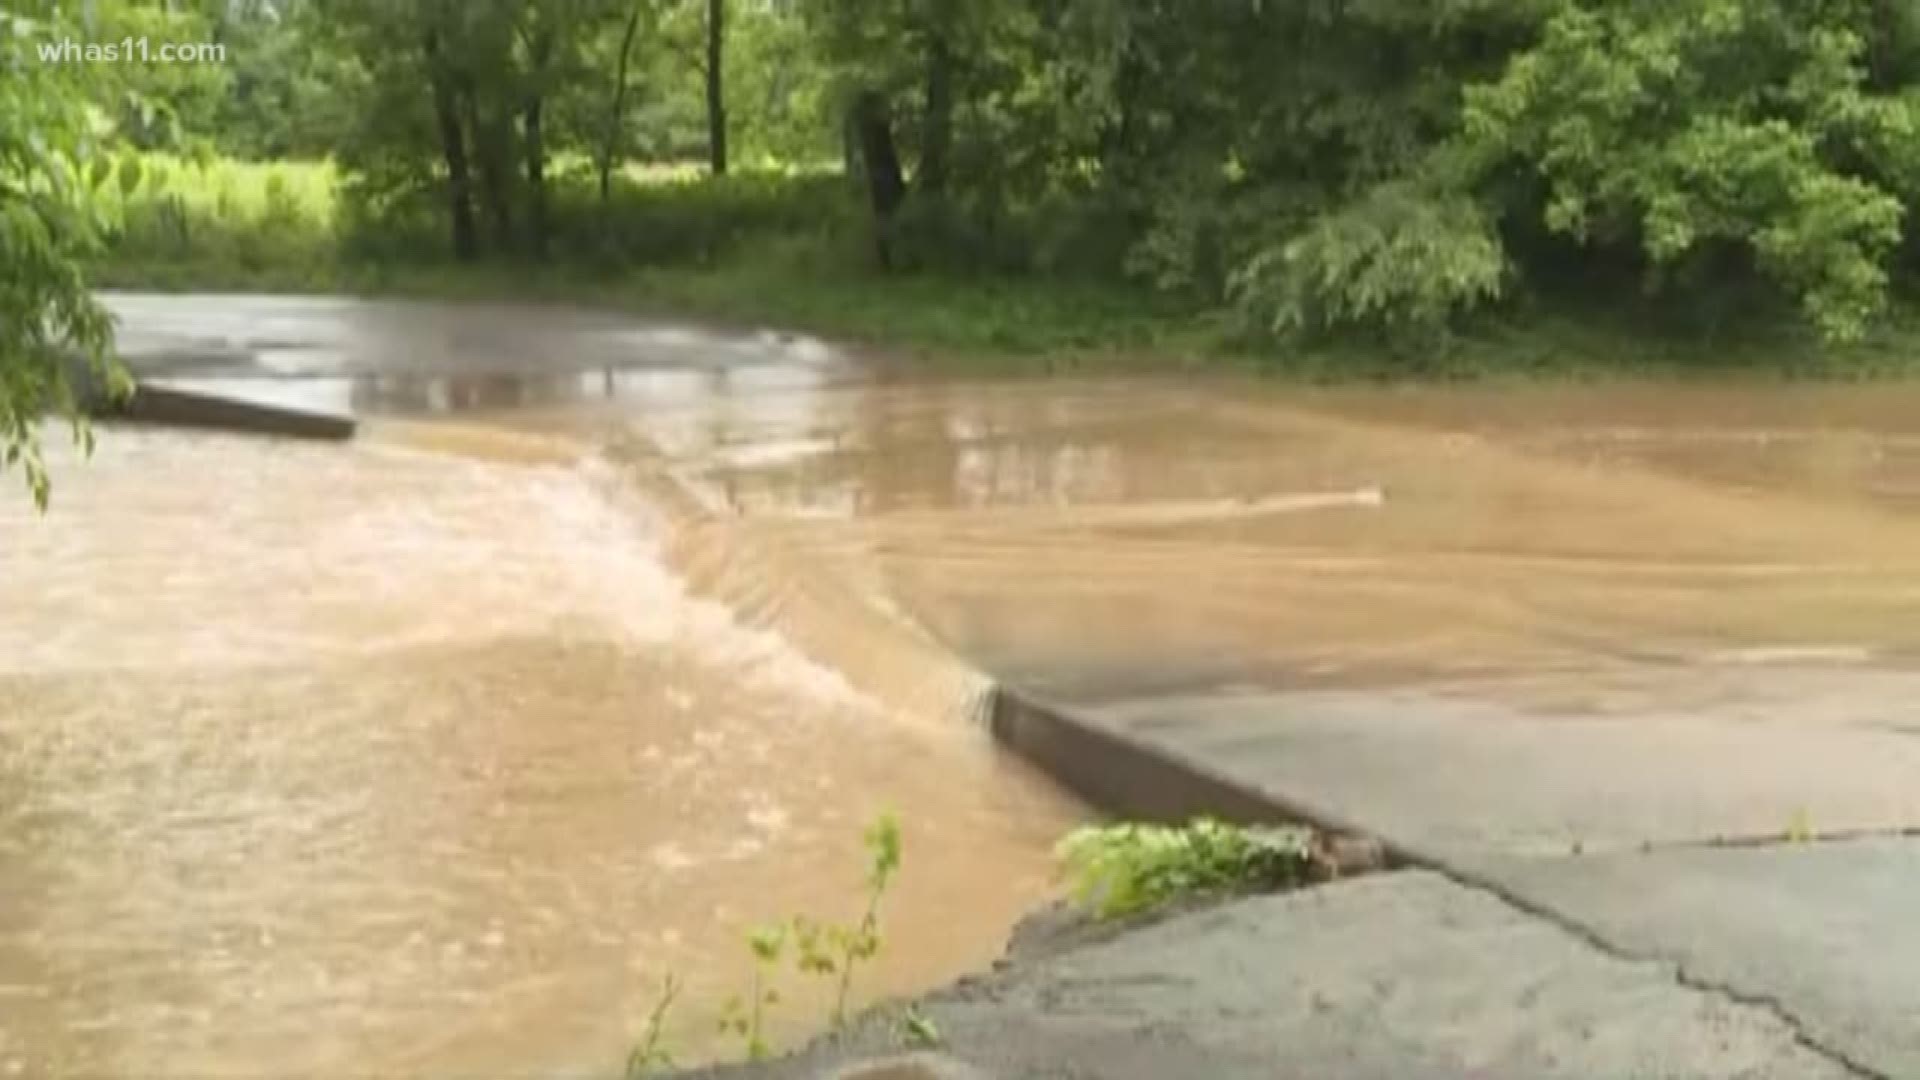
<point>1379,978</point>
<point>377,357</point>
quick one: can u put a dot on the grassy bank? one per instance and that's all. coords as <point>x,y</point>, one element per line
<point>790,249</point>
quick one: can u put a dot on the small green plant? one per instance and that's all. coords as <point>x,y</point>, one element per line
<point>883,849</point>
<point>1119,870</point>
<point>823,949</point>
<point>830,950</point>
<point>747,1018</point>
<point>650,1053</point>
<point>918,1030</point>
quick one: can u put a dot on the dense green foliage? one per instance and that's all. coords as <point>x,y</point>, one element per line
<point>49,222</point>
<point>1373,166</point>
<point>1712,136</point>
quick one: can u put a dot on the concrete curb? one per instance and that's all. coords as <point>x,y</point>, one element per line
<point>171,406</point>
<point>1126,777</point>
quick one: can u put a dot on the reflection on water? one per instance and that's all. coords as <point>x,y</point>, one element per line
<point>371,762</point>
<point>484,393</point>
<point>317,337</point>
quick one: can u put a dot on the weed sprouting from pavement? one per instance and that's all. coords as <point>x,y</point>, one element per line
<point>1124,869</point>
<point>918,1030</point>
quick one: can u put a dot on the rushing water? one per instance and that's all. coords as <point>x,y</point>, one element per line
<point>1107,536</point>
<point>429,755</point>
<point>369,761</point>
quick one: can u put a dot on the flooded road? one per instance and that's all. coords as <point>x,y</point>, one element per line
<point>420,757</point>
<point>428,755</point>
<point>1104,535</point>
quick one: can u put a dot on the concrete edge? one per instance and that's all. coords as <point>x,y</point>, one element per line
<point>169,406</point>
<point>1127,777</point>
<point>1122,775</point>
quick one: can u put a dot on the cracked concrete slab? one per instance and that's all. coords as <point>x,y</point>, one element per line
<point>1388,976</point>
<point>1825,930</point>
<point>1457,776</point>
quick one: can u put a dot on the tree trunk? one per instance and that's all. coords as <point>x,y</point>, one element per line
<point>534,147</point>
<point>491,158</point>
<point>937,138</point>
<point>716,87</point>
<point>536,155</point>
<point>453,146</point>
<point>616,113</point>
<point>886,187</point>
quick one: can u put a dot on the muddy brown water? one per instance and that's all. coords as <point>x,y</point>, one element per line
<point>431,754</point>
<point>382,762</point>
<point>1108,536</point>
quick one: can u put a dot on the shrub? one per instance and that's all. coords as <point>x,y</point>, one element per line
<point>1399,259</point>
<point>1124,869</point>
<point>1676,131</point>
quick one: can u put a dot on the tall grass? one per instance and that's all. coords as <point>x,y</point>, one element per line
<point>172,210</point>
<point>790,246</point>
<point>222,217</point>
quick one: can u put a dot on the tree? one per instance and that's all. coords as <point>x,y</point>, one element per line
<point>1316,166</point>
<point>49,223</point>
<point>716,87</point>
<point>909,70</point>
<point>613,141</point>
<point>1721,130</point>
<point>152,105</point>
<point>446,86</point>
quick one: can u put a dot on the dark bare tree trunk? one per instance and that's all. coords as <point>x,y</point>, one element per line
<point>616,113</point>
<point>453,147</point>
<point>534,147</point>
<point>886,187</point>
<point>536,155</point>
<point>716,87</point>
<point>491,152</point>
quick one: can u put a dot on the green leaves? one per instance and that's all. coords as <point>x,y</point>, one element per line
<point>767,942</point>
<point>1318,165</point>
<point>827,950</point>
<point>814,952</point>
<point>882,839</point>
<point>129,172</point>
<point>49,321</point>
<point>918,1030</point>
<point>1681,130</point>
<point>1400,257</point>
<point>1120,870</point>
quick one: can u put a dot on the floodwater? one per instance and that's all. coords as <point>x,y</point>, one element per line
<point>1103,537</point>
<point>430,754</point>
